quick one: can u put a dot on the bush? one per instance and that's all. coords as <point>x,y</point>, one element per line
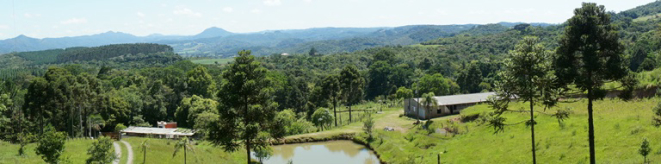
<point>469,117</point>
<point>301,126</point>
<point>119,127</point>
<point>368,126</point>
<point>100,151</point>
<point>51,146</point>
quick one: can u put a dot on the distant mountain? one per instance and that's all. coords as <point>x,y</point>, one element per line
<point>212,32</point>
<point>216,41</point>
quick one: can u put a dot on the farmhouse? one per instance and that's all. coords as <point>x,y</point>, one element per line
<point>164,130</point>
<point>447,105</point>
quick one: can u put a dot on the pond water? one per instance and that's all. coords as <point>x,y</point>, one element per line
<point>345,152</point>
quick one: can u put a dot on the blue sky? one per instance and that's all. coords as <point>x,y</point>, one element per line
<point>48,18</point>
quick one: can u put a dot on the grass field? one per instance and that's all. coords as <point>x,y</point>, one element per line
<point>212,61</point>
<point>75,150</point>
<point>645,18</point>
<point>620,128</point>
<point>160,151</point>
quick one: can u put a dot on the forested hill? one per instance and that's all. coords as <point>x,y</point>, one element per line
<point>469,60</point>
<point>111,51</point>
<point>118,55</point>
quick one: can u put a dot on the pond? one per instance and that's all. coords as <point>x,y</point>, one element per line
<point>345,152</point>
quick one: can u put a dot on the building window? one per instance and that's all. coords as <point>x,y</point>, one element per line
<point>439,111</point>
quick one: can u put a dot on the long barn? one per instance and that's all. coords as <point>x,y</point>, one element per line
<point>447,105</point>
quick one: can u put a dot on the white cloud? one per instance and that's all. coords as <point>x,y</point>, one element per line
<point>255,11</point>
<point>228,9</point>
<point>4,26</point>
<point>29,15</point>
<point>272,2</point>
<point>74,21</point>
<point>140,14</point>
<point>187,12</point>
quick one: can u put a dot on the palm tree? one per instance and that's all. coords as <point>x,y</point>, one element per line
<point>184,143</point>
<point>428,101</point>
<point>96,122</point>
<point>143,147</point>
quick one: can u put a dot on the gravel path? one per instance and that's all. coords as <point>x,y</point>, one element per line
<point>118,152</point>
<point>129,159</point>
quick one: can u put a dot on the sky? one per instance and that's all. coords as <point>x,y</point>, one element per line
<point>48,18</point>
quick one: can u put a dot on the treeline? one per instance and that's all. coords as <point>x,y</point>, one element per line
<point>111,51</point>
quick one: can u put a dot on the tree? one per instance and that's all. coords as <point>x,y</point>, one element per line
<point>247,107</point>
<point>352,86</point>
<point>368,127</point>
<point>404,93</point>
<point>200,82</point>
<point>119,127</point>
<point>283,120</point>
<point>379,73</point>
<point>331,88</point>
<point>657,115</point>
<point>428,101</point>
<point>322,118</point>
<point>100,152</point>
<point>36,101</point>
<point>51,146</point>
<point>589,55</point>
<point>144,145</point>
<point>183,143</point>
<point>263,153</point>
<point>434,83</point>
<point>191,107</point>
<point>312,51</point>
<point>644,149</point>
<point>528,75</point>
<point>96,122</point>
<point>469,80</point>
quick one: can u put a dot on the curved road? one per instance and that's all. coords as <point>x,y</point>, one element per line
<point>118,152</point>
<point>129,159</point>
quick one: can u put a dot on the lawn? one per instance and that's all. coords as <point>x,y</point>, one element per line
<point>75,150</point>
<point>620,128</point>
<point>161,150</point>
<point>212,61</point>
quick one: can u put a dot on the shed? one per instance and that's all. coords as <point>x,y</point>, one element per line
<point>447,105</point>
<point>157,132</point>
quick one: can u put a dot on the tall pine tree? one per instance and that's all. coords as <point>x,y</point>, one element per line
<point>246,109</point>
<point>588,56</point>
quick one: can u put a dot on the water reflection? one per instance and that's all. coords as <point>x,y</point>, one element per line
<point>323,152</point>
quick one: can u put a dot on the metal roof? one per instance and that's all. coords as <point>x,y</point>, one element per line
<point>462,99</point>
<point>158,131</point>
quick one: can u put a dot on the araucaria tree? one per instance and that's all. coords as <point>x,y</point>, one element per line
<point>331,88</point>
<point>588,56</point>
<point>246,109</point>
<point>352,86</point>
<point>644,149</point>
<point>527,75</point>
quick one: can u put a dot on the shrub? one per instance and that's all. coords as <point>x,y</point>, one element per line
<point>469,117</point>
<point>368,126</point>
<point>51,146</point>
<point>100,151</point>
<point>119,127</point>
